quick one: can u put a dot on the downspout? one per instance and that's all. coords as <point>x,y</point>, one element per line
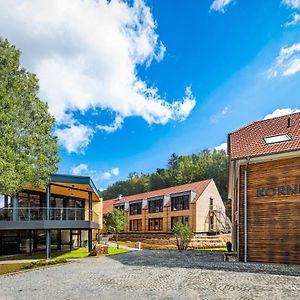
<point>246,211</point>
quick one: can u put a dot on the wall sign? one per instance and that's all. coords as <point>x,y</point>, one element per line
<point>278,191</point>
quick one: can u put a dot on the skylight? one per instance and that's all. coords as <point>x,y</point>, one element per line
<point>277,139</point>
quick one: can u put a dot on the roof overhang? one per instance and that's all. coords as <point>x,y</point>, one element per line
<point>268,157</point>
<point>71,186</point>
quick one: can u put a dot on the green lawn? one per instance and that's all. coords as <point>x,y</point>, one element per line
<point>11,268</point>
<point>60,257</point>
<point>77,253</point>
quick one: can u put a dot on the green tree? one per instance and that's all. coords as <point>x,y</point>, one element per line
<point>28,150</point>
<point>116,222</point>
<point>183,234</point>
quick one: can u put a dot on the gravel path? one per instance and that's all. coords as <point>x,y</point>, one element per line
<point>155,275</point>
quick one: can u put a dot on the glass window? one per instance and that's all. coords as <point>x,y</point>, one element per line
<point>277,139</point>
<point>156,224</point>
<point>155,206</point>
<point>135,208</point>
<point>181,219</point>
<point>2,201</point>
<point>180,202</point>
<point>120,206</point>
<point>135,225</point>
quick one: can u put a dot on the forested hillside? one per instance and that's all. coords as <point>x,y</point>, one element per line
<point>179,170</point>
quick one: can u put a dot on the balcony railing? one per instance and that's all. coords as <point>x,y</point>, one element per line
<point>40,214</point>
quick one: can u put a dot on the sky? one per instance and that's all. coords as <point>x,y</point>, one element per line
<point>131,82</point>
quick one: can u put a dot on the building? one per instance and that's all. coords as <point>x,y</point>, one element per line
<point>264,185</point>
<point>64,214</point>
<point>199,204</point>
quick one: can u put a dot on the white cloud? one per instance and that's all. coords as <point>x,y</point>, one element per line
<point>287,62</point>
<point>219,5</point>
<point>281,112</point>
<point>86,55</point>
<point>83,169</point>
<point>222,147</point>
<point>75,138</point>
<point>292,3</point>
<point>295,20</point>
<point>79,169</point>
<point>113,127</point>
<point>115,171</point>
<point>222,114</point>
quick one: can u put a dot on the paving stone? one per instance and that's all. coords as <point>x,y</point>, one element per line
<point>155,275</point>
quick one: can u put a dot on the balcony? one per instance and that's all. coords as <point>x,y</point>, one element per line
<point>44,218</point>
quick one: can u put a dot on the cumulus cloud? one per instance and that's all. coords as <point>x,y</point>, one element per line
<point>281,112</point>
<point>75,138</point>
<point>294,4</point>
<point>295,20</point>
<point>287,62</point>
<point>80,169</point>
<point>222,147</point>
<point>86,55</point>
<point>115,171</point>
<point>83,169</point>
<point>219,5</point>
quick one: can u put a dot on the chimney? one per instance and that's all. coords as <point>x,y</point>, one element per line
<point>119,197</point>
<point>289,122</point>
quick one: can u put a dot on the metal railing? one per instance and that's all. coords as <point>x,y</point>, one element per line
<point>40,214</point>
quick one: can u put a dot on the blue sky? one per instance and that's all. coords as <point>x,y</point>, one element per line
<point>131,83</point>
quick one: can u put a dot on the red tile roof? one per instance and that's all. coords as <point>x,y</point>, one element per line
<point>249,140</point>
<point>197,187</point>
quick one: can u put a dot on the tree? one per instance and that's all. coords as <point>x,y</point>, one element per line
<point>183,234</point>
<point>28,150</point>
<point>115,222</point>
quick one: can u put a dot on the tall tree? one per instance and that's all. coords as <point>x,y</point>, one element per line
<point>28,150</point>
<point>116,222</point>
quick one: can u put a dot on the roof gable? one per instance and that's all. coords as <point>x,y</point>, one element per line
<point>250,141</point>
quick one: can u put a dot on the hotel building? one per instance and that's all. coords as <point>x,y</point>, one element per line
<point>264,185</point>
<point>199,204</point>
<point>64,214</point>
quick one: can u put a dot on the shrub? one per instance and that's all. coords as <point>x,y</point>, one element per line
<point>183,234</point>
<point>42,263</point>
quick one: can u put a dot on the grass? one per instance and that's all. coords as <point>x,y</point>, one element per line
<point>11,268</point>
<point>60,254</point>
<point>60,257</point>
<point>17,267</point>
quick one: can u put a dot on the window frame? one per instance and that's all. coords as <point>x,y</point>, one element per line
<point>155,210</point>
<point>184,206</point>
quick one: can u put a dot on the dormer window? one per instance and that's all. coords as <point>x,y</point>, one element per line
<point>277,139</point>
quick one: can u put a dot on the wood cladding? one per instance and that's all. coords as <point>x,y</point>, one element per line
<point>273,219</point>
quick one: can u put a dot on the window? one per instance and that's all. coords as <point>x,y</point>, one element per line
<point>155,206</point>
<point>181,219</point>
<point>120,206</point>
<point>277,139</point>
<point>155,224</point>
<point>135,225</point>
<point>180,202</point>
<point>135,208</point>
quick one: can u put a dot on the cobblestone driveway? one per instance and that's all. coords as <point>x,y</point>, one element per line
<point>155,275</point>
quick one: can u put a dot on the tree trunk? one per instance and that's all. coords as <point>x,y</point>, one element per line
<point>117,239</point>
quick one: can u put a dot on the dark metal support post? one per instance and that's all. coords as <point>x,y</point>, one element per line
<point>48,232</point>
<point>90,240</point>
<point>30,242</point>
<point>90,207</point>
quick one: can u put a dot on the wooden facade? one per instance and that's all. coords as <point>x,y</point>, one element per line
<point>273,211</point>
